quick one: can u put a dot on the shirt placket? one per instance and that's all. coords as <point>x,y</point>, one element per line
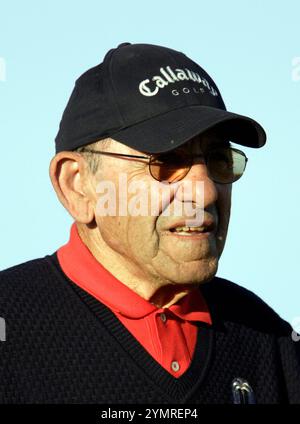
<point>175,354</point>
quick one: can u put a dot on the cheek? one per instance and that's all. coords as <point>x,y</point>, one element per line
<point>142,237</point>
<point>224,200</point>
<point>113,232</point>
<point>133,237</point>
<point>223,205</point>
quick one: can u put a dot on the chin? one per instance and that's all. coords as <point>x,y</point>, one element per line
<point>208,272</point>
<point>197,272</point>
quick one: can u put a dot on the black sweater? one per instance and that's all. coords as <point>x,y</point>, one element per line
<point>64,346</point>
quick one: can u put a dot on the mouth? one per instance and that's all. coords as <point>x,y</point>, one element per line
<point>206,229</point>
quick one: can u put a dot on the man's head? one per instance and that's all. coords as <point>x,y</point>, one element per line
<point>179,109</point>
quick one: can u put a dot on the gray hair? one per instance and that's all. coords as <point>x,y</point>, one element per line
<point>94,160</point>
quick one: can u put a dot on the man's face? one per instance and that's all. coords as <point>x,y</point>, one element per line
<point>150,244</point>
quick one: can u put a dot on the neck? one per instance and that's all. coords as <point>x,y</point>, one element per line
<point>162,293</point>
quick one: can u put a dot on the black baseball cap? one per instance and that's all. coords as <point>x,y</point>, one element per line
<point>151,98</point>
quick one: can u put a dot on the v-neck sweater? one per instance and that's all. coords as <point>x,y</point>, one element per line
<point>65,346</point>
<point>168,334</point>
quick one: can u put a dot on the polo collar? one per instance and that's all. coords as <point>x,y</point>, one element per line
<point>80,266</point>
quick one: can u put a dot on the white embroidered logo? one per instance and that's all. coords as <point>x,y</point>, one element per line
<point>169,76</point>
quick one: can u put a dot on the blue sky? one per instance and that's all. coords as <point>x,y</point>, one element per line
<point>252,51</point>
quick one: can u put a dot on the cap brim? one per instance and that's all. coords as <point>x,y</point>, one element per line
<point>165,132</point>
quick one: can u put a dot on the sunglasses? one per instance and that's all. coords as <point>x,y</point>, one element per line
<point>225,165</point>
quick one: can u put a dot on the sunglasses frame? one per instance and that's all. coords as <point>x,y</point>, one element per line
<point>154,156</point>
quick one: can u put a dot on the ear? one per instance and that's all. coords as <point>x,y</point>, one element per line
<point>69,177</point>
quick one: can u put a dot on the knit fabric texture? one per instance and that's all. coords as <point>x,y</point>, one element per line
<point>64,346</point>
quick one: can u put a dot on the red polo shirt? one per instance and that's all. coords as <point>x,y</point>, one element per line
<point>168,334</point>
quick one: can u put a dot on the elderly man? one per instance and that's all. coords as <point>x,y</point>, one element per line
<point>130,309</point>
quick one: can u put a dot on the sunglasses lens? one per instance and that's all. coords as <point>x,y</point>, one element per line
<point>226,165</point>
<point>171,167</point>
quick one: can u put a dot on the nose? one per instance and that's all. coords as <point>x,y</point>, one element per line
<point>197,187</point>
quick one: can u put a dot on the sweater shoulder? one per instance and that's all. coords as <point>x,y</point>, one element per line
<point>24,278</point>
<point>233,302</point>
<point>27,268</point>
<point>20,267</point>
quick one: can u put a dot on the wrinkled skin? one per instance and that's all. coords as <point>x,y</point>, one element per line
<point>161,266</point>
